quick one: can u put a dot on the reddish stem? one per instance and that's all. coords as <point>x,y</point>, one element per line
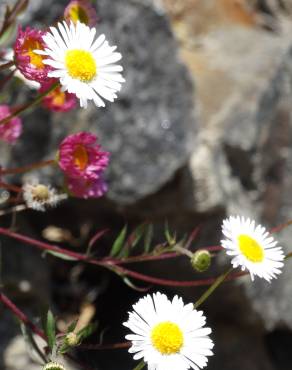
<point>105,346</point>
<point>21,316</point>
<point>141,258</point>
<point>110,264</point>
<point>6,186</point>
<point>29,167</point>
<point>25,320</point>
<point>6,65</point>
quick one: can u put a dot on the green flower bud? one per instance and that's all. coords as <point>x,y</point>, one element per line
<point>53,366</point>
<point>201,260</point>
<point>72,339</point>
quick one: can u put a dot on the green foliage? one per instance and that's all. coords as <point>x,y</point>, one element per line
<point>119,242</point>
<point>50,330</point>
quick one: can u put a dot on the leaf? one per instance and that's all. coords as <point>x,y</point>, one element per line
<point>87,331</point>
<point>170,239</point>
<point>29,339</point>
<point>136,235</point>
<point>128,282</point>
<point>60,255</point>
<point>118,244</point>
<point>148,238</point>
<point>51,329</point>
<point>72,326</point>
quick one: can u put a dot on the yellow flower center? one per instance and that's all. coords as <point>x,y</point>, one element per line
<point>58,96</point>
<point>250,248</point>
<point>77,13</point>
<point>40,192</point>
<point>29,46</point>
<point>81,65</point>
<point>80,157</point>
<point>167,338</point>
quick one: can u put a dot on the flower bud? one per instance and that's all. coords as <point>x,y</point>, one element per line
<point>53,366</point>
<point>71,339</point>
<point>201,260</point>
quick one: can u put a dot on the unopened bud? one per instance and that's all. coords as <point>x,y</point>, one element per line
<point>201,260</point>
<point>53,366</point>
<point>71,339</point>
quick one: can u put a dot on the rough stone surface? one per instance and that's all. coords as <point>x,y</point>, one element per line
<point>150,129</point>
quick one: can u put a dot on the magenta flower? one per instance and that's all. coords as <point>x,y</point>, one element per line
<point>11,130</point>
<point>80,157</point>
<point>27,61</point>
<point>87,188</point>
<point>57,100</point>
<point>82,11</point>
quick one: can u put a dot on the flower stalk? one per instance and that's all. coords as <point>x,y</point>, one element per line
<point>29,105</point>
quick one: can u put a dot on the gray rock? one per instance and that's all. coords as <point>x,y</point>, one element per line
<point>150,129</point>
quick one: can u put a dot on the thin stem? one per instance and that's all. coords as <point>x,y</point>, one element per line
<point>29,105</point>
<point>142,258</point>
<point>6,65</point>
<point>110,265</point>
<point>6,186</point>
<point>183,251</point>
<point>212,288</point>
<point>6,79</point>
<point>25,320</point>
<point>20,315</point>
<point>27,168</point>
<point>105,346</point>
<point>140,365</point>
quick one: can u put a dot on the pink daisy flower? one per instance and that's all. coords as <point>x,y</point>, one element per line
<point>87,188</point>
<point>27,61</point>
<point>11,130</point>
<point>82,11</point>
<point>80,157</point>
<point>58,100</point>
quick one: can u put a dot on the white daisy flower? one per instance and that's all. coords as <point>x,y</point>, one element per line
<point>252,248</point>
<point>168,335</point>
<point>39,196</point>
<point>85,65</point>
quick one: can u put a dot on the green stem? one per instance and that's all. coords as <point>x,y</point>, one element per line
<point>213,287</point>
<point>288,255</point>
<point>140,365</point>
<point>29,105</point>
<point>183,251</point>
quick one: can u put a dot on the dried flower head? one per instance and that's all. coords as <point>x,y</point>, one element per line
<point>57,100</point>
<point>82,11</point>
<point>84,65</point>
<point>11,130</point>
<point>39,196</point>
<point>72,339</point>
<point>53,366</point>
<point>80,188</point>
<point>80,157</point>
<point>31,64</point>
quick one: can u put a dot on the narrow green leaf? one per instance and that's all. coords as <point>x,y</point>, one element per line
<point>148,238</point>
<point>137,234</point>
<point>87,331</point>
<point>72,326</point>
<point>51,329</point>
<point>171,240</point>
<point>61,255</point>
<point>128,282</point>
<point>119,242</point>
